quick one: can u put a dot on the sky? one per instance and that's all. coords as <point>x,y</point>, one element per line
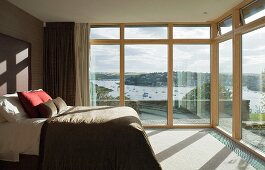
<point>191,32</point>
<point>226,57</point>
<point>253,51</point>
<point>153,58</point>
<point>226,25</point>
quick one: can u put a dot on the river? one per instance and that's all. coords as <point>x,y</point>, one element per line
<point>160,93</point>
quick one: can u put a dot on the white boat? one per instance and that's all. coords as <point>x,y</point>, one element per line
<point>145,94</point>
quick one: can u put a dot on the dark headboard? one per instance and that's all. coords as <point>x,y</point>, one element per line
<point>15,65</point>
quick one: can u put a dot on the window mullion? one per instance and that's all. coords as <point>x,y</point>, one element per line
<point>170,76</point>
<point>214,78</point>
<point>122,99</point>
<point>236,78</point>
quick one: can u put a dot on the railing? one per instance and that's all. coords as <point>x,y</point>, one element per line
<point>200,108</point>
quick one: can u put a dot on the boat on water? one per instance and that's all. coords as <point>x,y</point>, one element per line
<point>145,94</point>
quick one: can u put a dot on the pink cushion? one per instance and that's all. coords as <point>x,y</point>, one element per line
<point>29,101</point>
<point>43,95</point>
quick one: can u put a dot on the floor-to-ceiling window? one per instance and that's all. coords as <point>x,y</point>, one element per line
<point>164,72</point>
<point>191,75</point>
<point>191,79</point>
<point>104,68</point>
<point>253,88</point>
<point>131,67</point>
<point>145,72</point>
<point>225,86</point>
<point>240,51</point>
<point>105,75</point>
<point>241,66</point>
<point>146,81</point>
<point>253,76</point>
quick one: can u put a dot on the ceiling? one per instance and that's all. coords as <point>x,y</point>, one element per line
<point>118,11</point>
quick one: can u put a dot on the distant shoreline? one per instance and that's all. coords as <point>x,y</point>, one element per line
<point>136,92</point>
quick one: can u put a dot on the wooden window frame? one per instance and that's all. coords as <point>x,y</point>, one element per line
<point>170,41</point>
<point>238,29</point>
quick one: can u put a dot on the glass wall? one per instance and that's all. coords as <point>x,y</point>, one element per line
<point>225,85</point>
<point>191,84</point>
<point>105,75</point>
<point>253,88</point>
<point>146,82</point>
<point>146,71</point>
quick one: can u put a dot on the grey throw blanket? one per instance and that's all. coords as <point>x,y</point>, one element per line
<point>101,138</point>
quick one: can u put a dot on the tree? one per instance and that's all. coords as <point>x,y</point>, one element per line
<point>103,92</point>
<point>204,91</point>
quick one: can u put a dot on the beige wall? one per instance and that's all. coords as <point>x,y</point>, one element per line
<point>19,24</point>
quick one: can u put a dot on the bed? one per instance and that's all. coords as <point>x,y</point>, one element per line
<point>74,138</point>
<point>79,138</point>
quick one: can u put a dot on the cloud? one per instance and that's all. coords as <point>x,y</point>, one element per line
<point>255,16</point>
<point>105,33</point>
<point>253,51</point>
<point>191,32</point>
<point>138,58</point>
<point>226,57</point>
<point>105,58</point>
<point>145,32</point>
<point>153,58</point>
<point>194,58</point>
<point>132,50</point>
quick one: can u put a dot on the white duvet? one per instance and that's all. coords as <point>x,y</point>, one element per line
<point>21,137</point>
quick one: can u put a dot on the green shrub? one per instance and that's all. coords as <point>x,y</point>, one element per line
<point>257,116</point>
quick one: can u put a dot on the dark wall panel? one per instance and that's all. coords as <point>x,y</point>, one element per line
<point>21,25</point>
<point>14,65</point>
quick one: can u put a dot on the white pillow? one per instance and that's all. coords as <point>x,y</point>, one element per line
<point>11,109</point>
<point>2,119</point>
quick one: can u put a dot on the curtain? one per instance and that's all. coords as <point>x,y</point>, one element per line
<point>59,61</point>
<point>82,64</point>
